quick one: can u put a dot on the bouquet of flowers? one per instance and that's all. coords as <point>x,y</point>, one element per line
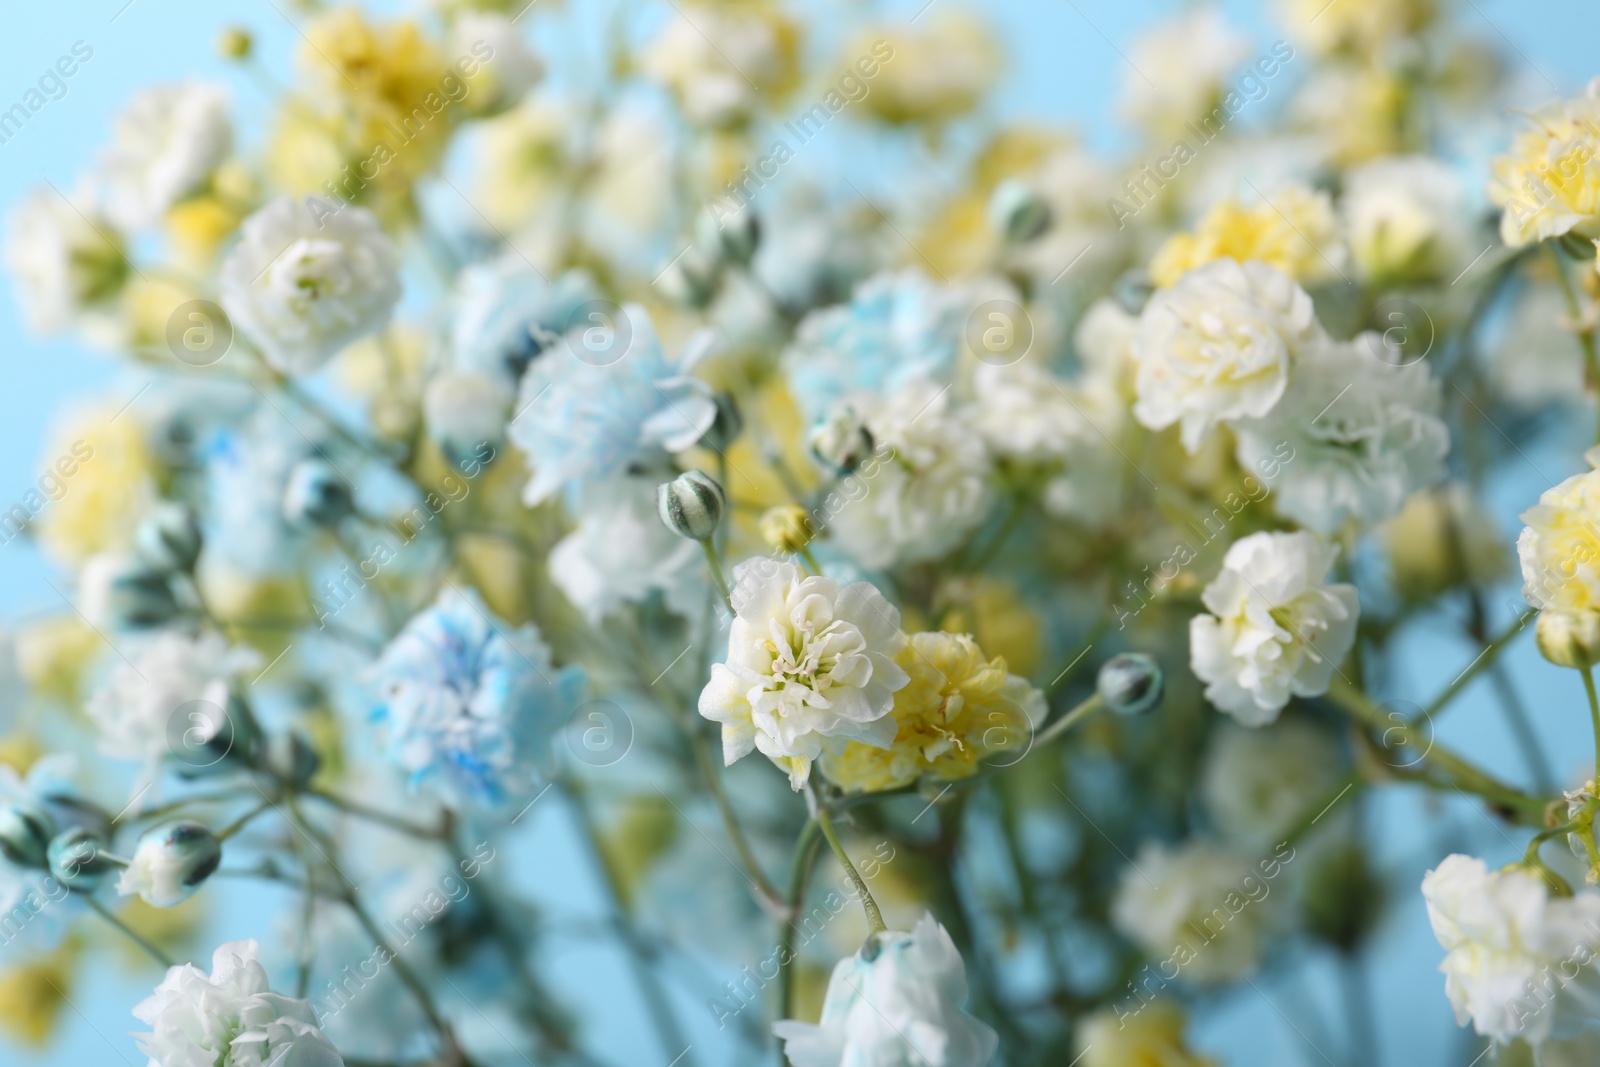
<point>931,596</point>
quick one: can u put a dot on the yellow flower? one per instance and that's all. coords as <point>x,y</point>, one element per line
<point>1360,112</point>
<point>33,994</point>
<point>525,152</point>
<point>958,708</point>
<point>1356,27</point>
<point>1137,1035</point>
<point>930,74</point>
<point>1560,547</point>
<point>1441,537</point>
<point>199,227</point>
<point>1294,231</point>
<point>111,484</point>
<point>53,655</point>
<point>1549,182</point>
<point>147,308</point>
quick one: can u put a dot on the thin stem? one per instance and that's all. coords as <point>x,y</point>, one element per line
<point>362,811</point>
<point>1522,729</point>
<point>128,931</point>
<point>716,574</point>
<point>811,560</point>
<point>1357,994</point>
<point>765,890</point>
<point>242,821</point>
<point>1594,714</point>
<point>1486,658</point>
<point>1093,704</point>
<point>805,857</point>
<point>1584,332</point>
<point>870,906</point>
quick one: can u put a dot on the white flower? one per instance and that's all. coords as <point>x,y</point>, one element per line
<point>65,262</point>
<point>1218,345</point>
<point>1365,434</point>
<point>896,1003</point>
<point>1181,68</point>
<point>173,686</point>
<point>1198,907</point>
<point>809,664</point>
<point>466,410</point>
<point>714,58</point>
<point>1274,629</point>
<point>309,278</point>
<point>164,147</point>
<point>1257,783</point>
<point>920,501</point>
<point>1518,963</point>
<point>1560,546</point>
<point>621,553</point>
<point>169,864</point>
<point>512,68</point>
<point>1406,218</point>
<point>229,1017</point>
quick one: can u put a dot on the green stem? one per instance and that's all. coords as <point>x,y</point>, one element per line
<point>716,574</point>
<point>870,906</point>
<point>1594,715</point>
<point>805,857</point>
<point>1486,658</point>
<point>362,811</point>
<point>242,821</point>
<point>128,931</point>
<point>765,890</point>
<point>1585,334</point>
<point>1087,708</point>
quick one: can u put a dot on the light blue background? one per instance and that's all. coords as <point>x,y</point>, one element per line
<point>1061,68</point>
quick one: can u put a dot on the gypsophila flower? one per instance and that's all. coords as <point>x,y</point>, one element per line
<point>1363,426</point>
<point>1549,183</point>
<point>1218,345</point>
<point>620,553</point>
<point>164,147</point>
<point>308,278</point>
<point>66,263</point>
<point>507,314</point>
<point>1276,628</point>
<point>1257,783</point>
<point>1149,1033</point>
<point>1406,219</point>
<point>1560,546</point>
<point>1293,229</point>
<point>229,1017</point>
<point>897,1003</point>
<point>467,704</point>
<point>809,665</point>
<point>170,863</point>
<point>1189,60</point>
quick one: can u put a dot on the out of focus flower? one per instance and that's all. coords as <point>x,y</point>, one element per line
<point>933,487</point>
<point>508,68</point>
<point>1276,628</point>
<point>620,554</point>
<point>722,61</point>
<point>1358,27</point>
<point>1217,346</point>
<point>1533,360</point>
<point>1510,947</point>
<point>112,485</point>
<point>929,73</point>
<point>468,704</point>
<point>465,411</point>
<point>1407,220</point>
<point>1365,432</point>
<point>1258,783</point>
<point>307,279</point>
<point>1560,546</point>
<point>809,258</point>
<point>164,147</point>
<point>248,469</point>
<point>810,665</point>
<point>173,686</point>
<point>958,709</point>
<point>1151,1034</point>
<point>1549,182</point>
<point>1181,68</point>
<point>507,315</point>
<point>1293,230</point>
<point>68,265</point>
<point>603,398</point>
<point>170,863</point>
<point>1198,907</point>
<point>230,1016</point>
<point>898,1002</point>
<point>1357,111</point>
<point>1441,538</point>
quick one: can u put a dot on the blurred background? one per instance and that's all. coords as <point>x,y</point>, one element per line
<point>1063,65</point>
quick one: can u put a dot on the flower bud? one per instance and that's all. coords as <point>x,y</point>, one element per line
<point>170,862</point>
<point>78,860</point>
<point>726,426</point>
<point>125,593</point>
<point>1018,212</point>
<point>25,832</point>
<point>842,442</point>
<point>690,280</point>
<point>1130,683</point>
<point>691,505</point>
<point>1570,638</point>
<point>317,494</point>
<point>729,231</point>
<point>168,538</point>
<point>465,412</point>
<point>787,528</point>
<point>234,43</point>
<point>290,756</point>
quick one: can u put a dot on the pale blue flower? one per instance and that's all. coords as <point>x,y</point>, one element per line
<point>898,326</point>
<point>507,314</point>
<point>469,704</point>
<point>606,398</point>
<point>248,471</point>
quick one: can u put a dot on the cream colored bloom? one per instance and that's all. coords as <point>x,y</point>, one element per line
<point>164,147</point>
<point>1294,229</point>
<point>810,665</point>
<point>959,708</point>
<point>1357,27</point>
<point>1560,546</point>
<point>66,264</point>
<point>1179,70</point>
<point>1276,628</point>
<point>720,61</point>
<point>930,72</point>
<point>1218,345</point>
<point>1406,219</point>
<point>1549,182</point>
<point>112,483</point>
<point>1149,1035</point>
<point>1258,783</point>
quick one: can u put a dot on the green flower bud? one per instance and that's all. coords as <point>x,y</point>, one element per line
<point>1018,212</point>
<point>78,860</point>
<point>729,231</point>
<point>25,833</point>
<point>691,505</point>
<point>168,539</point>
<point>1130,683</point>
<point>170,862</point>
<point>690,280</point>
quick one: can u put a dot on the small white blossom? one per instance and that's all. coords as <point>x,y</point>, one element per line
<point>620,553</point>
<point>1218,345</point>
<point>145,706</point>
<point>169,864</point>
<point>231,1017</point>
<point>896,1003</point>
<point>308,278</point>
<point>1406,218</point>
<point>1181,68</point>
<point>66,263</point>
<point>1275,629</point>
<point>164,147</point>
<point>1258,783</point>
<point>511,69</point>
<point>809,664</point>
